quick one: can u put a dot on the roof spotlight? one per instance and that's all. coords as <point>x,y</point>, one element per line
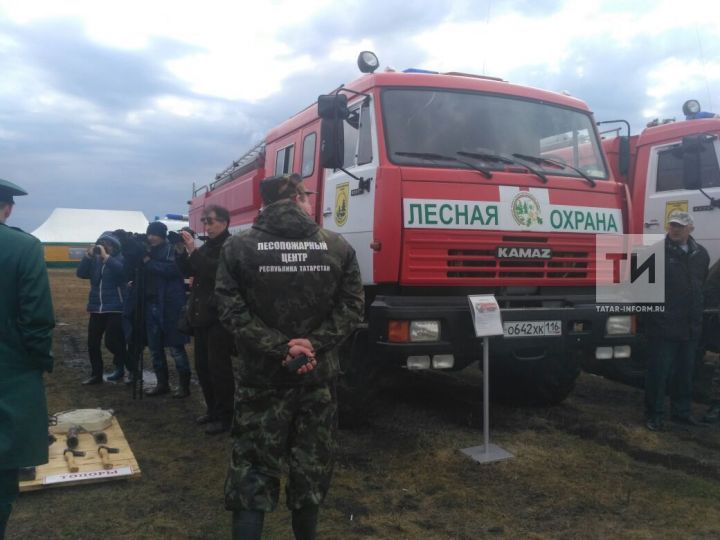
<point>690,107</point>
<point>368,62</point>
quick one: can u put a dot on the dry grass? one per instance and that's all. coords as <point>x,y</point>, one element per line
<point>585,469</point>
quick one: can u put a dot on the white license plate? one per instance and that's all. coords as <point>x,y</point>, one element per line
<point>514,329</point>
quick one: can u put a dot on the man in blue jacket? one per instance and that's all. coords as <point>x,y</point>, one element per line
<point>103,265</point>
<point>164,300</point>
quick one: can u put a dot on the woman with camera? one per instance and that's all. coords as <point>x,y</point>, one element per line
<point>103,266</point>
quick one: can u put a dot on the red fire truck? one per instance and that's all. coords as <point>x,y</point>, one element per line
<point>672,166</point>
<point>668,166</point>
<point>450,184</point>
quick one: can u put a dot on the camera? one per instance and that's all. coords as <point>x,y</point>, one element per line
<point>134,247</point>
<point>96,250</point>
<point>174,237</point>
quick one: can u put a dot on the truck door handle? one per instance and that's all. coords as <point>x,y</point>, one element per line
<point>652,223</point>
<point>327,212</point>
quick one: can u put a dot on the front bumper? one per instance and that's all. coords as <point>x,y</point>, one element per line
<point>583,330</point>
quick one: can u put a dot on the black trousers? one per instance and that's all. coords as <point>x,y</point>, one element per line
<point>110,325</point>
<point>214,347</point>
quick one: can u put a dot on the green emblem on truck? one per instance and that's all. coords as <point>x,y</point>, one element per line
<point>526,210</point>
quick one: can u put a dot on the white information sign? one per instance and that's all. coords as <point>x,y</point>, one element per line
<point>485,315</point>
<point>87,475</point>
<point>487,321</point>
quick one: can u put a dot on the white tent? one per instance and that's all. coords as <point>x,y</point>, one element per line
<point>83,226</point>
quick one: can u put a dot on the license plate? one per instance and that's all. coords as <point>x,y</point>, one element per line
<point>514,329</point>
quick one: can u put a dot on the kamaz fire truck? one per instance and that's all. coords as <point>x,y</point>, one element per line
<point>450,184</point>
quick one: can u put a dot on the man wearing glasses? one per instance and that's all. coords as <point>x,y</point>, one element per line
<point>213,343</point>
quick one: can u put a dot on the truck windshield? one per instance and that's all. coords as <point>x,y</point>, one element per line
<point>447,122</point>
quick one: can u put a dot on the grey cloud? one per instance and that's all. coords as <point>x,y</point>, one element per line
<point>386,22</point>
<point>615,77</point>
<point>107,77</point>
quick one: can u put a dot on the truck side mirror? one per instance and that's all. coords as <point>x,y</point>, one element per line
<point>333,110</point>
<point>692,146</point>
<point>624,156</point>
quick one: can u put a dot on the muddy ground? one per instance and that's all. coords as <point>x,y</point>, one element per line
<point>583,469</point>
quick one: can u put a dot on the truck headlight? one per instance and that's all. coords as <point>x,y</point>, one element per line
<point>424,330</point>
<point>619,325</point>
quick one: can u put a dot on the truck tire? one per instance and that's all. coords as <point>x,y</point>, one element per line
<point>539,382</point>
<point>358,384</point>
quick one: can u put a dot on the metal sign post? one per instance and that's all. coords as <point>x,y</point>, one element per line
<point>487,322</point>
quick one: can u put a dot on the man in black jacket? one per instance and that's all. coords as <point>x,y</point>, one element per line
<point>712,340</point>
<point>674,334</point>
<point>213,343</point>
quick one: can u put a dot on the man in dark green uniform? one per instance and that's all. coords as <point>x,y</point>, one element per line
<point>285,288</point>
<point>26,323</point>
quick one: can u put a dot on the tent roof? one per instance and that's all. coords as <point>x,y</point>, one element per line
<point>79,225</point>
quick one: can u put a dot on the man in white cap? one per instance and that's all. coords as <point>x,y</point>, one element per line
<point>674,334</point>
<point>26,324</point>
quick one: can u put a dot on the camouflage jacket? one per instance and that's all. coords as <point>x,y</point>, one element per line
<point>287,278</point>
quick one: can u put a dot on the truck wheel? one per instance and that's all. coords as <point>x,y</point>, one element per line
<point>545,381</point>
<point>358,384</point>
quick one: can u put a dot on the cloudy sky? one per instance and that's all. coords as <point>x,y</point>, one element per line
<point>123,105</point>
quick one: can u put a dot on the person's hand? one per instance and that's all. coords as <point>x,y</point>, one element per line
<point>307,368</point>
<point>90,251</point>
<point>179,248</point>
<point>295,351</point>
<point>103,252</point>
<point>302,342</point>
<point>188,241</point>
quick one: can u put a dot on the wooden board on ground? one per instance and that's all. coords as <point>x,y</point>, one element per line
<point>55,473</point>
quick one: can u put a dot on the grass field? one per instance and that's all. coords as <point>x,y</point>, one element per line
<point>584,469</point>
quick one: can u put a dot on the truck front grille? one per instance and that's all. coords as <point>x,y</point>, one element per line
<point>458,257</point>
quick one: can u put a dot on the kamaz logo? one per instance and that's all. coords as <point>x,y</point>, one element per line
<point>523,253</point>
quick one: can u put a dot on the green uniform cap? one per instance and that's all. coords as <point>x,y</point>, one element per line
<point>8,190</point>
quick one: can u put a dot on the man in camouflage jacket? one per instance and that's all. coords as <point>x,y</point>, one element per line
<point>285,287</point>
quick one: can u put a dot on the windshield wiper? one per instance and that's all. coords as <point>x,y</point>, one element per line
<point>541,161</point>
<point>440,157</point>
<point>501,158</point>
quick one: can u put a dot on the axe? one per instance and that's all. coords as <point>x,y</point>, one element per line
<point>104,453</point>
<point>72,436</point>
<point>69,454</point>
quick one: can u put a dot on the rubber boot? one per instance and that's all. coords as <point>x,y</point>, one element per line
<point>162,384</point>
<point>304,522</point>
<point>247,524</point>
<point>183,388</point>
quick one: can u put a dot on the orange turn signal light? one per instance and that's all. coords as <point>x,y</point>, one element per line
<point>399,331</point>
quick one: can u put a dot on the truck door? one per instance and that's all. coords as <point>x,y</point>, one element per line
<point>348,203</point>
<point>665,193</point>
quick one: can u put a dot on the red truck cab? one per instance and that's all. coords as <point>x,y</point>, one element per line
<point>448,185</point>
